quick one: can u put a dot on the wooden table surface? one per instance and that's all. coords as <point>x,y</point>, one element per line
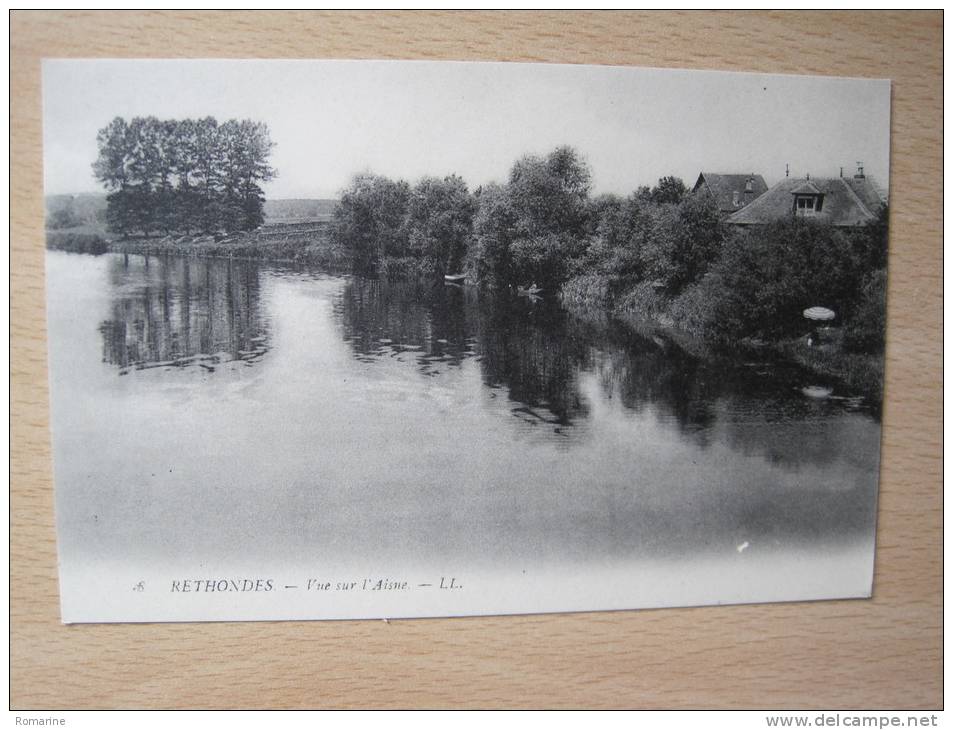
<point>879,653</point>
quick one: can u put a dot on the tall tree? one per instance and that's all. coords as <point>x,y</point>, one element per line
<point>494,229</point>
<point>183,175</point>
<point>550,197</point>
<point>209,163</point>
<point>111,168</point>
<point>247,149</point>
<point>550,194</point>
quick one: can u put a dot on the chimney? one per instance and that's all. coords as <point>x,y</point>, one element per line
<point>860,171</point>
<point>787,169</point>
<point>842,172</point>
<point>749,190</point>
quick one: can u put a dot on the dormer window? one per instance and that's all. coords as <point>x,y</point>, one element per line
<point>808,200</point>
<point>805,204</point>
<point>735,198</point>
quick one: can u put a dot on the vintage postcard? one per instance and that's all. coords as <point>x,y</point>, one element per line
<point>366,339</point>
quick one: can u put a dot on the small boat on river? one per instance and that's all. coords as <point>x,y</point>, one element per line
<point>528,291</point>
<point>817,391</point>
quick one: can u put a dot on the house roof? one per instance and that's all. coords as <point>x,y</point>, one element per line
<point>723,187</point>
<point>808,188</point>
<point>867,190</point>
<point>847,202</point>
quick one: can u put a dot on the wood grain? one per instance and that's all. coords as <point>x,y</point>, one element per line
<point>882,653</point>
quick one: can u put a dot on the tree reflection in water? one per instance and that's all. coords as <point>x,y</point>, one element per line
<point>176,312</point>
<point>527,350</point>
<point>538,353</point>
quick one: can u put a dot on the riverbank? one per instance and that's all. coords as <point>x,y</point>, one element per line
<point>862,373</point>
<point>686,320</point>
<point>306,243</point>
<point>309,244</point>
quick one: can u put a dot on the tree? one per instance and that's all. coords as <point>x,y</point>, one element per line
<point>208,150</point>
<point>254,169</point>
<point>369,221</point>
<point>111,168</point>
<point>684,241</point>
<point>440,222</point>
<point>531,229</point>
<point>544,259</point>
<point>188,214</point>
<point>494,229</point>
<point>621,229</point>
<point>165,140</point>
<point>866,326</point>
<point>63,216</point>
<point>550,194</point>
<point>870,241</point>
<point>769,275</point>
<point>669,191</point>
<point>165,175</point>
<point>246,147</point>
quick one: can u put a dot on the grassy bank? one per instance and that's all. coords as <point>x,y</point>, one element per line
<point>859,371</point>
<point>301,243</point>
<point>646,310</point>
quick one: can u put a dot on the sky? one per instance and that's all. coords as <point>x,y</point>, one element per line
<point>330,120</point>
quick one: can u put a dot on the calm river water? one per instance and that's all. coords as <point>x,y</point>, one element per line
<point>229,419</point>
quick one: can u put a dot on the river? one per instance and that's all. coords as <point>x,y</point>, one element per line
<point>239,420</point>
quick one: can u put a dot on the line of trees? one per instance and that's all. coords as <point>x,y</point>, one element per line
<point>184,176</point>
<point>504,234</point>
<point>391,228</point>
<point>540,227</point>
<point>660,251</point>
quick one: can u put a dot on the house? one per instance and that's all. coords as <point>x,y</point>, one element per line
<point>730,192</point>
<point>840,201</point>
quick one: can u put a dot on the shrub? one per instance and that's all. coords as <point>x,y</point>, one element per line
<point>697,309</point>
<point>768,275</point>
<point>543,260</point>
<point>405,267</point>
<point>865,330</point>
<point>645,300</point>
<point>684,241</point>
<point>620,231</point>
<point>63,217</point>
<point>586,290</point>
<point>76,242</point>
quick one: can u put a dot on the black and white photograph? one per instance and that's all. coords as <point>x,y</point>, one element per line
<point>394,339</point>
